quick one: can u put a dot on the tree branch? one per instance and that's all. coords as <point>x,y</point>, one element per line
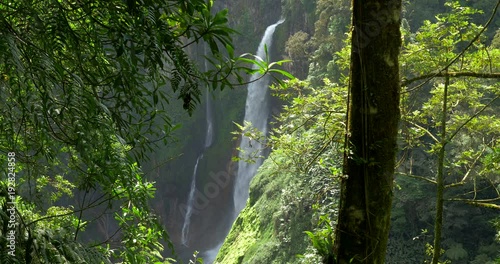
<point>418,177</point>
<point>481,203</point>
<point>482,75</point>
<point>425,130</point>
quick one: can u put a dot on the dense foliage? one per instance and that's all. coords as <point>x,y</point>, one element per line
<point>84,92</point>
<point>297,177</point>
<point>450,126</point>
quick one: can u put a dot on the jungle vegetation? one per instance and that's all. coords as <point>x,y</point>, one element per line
<point>85,89</point>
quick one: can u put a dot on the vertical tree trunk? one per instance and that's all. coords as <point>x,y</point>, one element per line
<point>373,117</point>
<point>438,222</point>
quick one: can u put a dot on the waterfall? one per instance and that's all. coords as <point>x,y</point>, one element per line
<point>189,210</point>
<point>257,113</point>
<point>208,142</point>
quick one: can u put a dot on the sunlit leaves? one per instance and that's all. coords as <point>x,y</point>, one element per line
<point>492,162</point>
<point>310,125</point>
<point>254,136</point>
<point>472,123</point>
<point>435,44</point>
<point>322,239</point>
<point>231,71</point>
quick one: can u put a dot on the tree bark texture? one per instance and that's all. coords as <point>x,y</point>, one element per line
<point>373,118</point>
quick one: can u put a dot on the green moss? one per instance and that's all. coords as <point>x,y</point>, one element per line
<point>270,229</point>
<point>244,234</point>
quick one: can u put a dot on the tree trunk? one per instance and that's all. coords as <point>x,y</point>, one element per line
<point>373,118</point>
<point>438,223</point>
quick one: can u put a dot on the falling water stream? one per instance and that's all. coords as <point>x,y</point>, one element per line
<point>257,113</point>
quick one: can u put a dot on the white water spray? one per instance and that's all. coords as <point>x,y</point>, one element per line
<point>257,113</point>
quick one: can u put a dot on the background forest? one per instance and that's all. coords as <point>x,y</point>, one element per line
<point>104,118</point>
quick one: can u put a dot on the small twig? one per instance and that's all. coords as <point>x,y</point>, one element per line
<point>473,165</point>
<point>425,130</point>
<point>418,177</point>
